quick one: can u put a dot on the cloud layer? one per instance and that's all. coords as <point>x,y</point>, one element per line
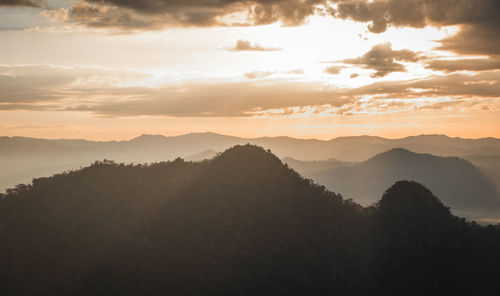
<point>30,3</point>
<point>154,14</point>
<point>110,93</point>
<point>384,60</point>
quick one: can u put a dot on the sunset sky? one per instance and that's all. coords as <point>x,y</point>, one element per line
<point>115,69</point>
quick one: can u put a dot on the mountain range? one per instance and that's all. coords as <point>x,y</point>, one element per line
<point>457,182</point>
<point>242,223</point>
<point>22,159</point>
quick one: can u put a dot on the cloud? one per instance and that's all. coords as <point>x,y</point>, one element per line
<point>484,84</point>
<point>244,45</point>
<point>354,75</point>
<point>29,3</point>
<point>258,74</point>
<point>334,70</point>
<point>156,14</point>
<point>30,107</point>
<point>242,99</point>
<point>464,64</point>
<point>236,99</point>
<point>22,84</point>
<point>55,15</point>
<point>295,72</point>
<point>478,19</point>
<point>116,93</point>
<point>476,39</point>
<point>383,59</point>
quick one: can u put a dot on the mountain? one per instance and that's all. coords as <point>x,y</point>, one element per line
<point>22,159</point>
<point>242,223</point>
<point>489,164</point>
<point>307,167</point>
<point>420,246</point>
<point>456,181</point>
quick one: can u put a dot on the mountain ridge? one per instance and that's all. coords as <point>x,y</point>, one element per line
<point>455,180</point>
<point>20,156</point>
<point>242,223</point>
<point>263,137</point>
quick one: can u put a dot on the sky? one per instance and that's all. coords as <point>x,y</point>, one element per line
<point>115,69</point>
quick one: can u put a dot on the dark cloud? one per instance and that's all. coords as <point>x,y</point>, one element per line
<point>383,59</point>
<point>482,39</point>
<point>29,3</point>
<point>478,19</point>
<point>100,16</point>
<point>155,14</point>
<point>244,45</point>
<point>492,63</point>
<point>354,75</point>
<point>418,13</point>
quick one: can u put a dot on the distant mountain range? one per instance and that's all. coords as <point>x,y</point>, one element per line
<point>309,167</point>
<point>22,159</point>
<point>242,223</point>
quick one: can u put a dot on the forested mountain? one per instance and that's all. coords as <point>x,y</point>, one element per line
<point>242,223</point>
<point>457,182</point>
<point>22,159</point>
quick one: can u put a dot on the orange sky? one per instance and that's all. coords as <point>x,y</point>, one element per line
<point>318,71</point>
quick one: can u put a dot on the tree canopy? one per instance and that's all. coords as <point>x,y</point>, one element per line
<point>242,224</point>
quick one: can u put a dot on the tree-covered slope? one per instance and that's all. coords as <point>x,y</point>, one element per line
<point>240,224</point>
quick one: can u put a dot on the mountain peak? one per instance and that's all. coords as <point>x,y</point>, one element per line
<point>412,202</point>
<point>247,155</point>
<point>248,162</point>
<point>396,154</point>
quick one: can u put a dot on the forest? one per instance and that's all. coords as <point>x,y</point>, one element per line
<point>242,223</point>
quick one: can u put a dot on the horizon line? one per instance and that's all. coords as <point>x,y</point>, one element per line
<point>251,138</point>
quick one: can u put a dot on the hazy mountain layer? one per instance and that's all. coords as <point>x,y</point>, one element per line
<point>457,182</point>
<point>307,167</point>
<point>22,158</point>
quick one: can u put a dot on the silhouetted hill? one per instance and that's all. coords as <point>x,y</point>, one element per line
<point>409,206</point>
<point>421,247</point>
<point>240,224</point>
<point>457,182</point>
<point>21,157</point>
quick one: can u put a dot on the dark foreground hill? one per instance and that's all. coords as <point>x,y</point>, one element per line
<point>240,224</point>
<point>457,182</point>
